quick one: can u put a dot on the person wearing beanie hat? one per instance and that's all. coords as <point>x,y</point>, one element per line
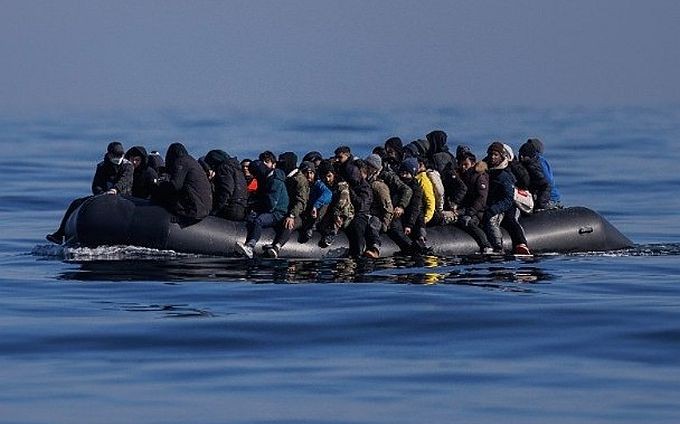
<point>297,187</point>
<point>399,192</point>
<point>115,152</point>
<point>462,150</point>
<point>320,196</point>
<point>307,166</point>
<point>382,209</point>
<point>374,161</point>
<point>500,202</point>
<point>409,166</point>
<point>114,175</point>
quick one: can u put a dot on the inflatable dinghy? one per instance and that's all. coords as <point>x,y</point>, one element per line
<point>119,220</point>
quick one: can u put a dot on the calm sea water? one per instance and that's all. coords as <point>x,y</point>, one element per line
<point>122,335</point>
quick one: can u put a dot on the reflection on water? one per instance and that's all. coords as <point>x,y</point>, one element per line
<point>502,273</point>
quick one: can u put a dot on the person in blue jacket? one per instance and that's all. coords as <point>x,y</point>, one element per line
<point>270,207</point>
<point>320,196</point>
<point>555,197</point>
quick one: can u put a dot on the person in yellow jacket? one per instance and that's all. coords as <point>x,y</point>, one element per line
<point>429,200</point>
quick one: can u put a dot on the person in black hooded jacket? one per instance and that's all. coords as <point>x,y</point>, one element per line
<point>230,195</point>
<point>539,185</point>
<point>187,192</point>
<point>113,176</point>
<point>145,178</point>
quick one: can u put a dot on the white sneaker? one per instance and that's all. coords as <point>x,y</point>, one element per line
<point>244,250</point>
<point>487,251</point>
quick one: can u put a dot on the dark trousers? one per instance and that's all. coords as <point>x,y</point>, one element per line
<point>373,232</point>
<point>71,208</point>
<point>476,232</point>
<point>309,223</point>
<point>356,234</point>
<point>255,223</point>
<point>396,233</point>
<point>511,223</point>
<point>283,234</point>
<point>233,213</point>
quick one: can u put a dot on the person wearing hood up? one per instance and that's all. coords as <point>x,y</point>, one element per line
<point>145,178</point>
<point>155,161</point>
<point>297,188</point>
<point>114,175</point>
<point>500,202</point>
<point>187,193</point>
<point>394,154</point>
<point>539,186</point>
<point>555,197</point>
<point>230,197</point>
<point>270,207</point>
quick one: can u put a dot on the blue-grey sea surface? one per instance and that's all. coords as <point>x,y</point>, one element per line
<point>122,334</point>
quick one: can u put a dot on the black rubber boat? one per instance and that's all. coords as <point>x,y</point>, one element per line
<point>118,220</point>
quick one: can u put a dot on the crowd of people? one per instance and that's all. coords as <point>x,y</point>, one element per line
<point>397,191</point>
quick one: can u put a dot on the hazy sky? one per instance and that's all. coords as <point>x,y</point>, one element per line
<point>117,54</point>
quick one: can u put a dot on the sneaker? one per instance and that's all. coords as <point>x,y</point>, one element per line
<point>271,251</point>
<point>487,251</point>
<point>522,249</point>
<point>372,253</point>
<point>55,238</point>
<point>327,240</point>
<point>244,250</point>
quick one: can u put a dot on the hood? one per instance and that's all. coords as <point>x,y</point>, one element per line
<point>312,156</point>
<point>258,169</point>
<point>215,158</point>
<point>481,166</point>
<point>175,151</point>
<point>138,151</point>
<point>528,149</point>
<point>538,144</point>
<point>287,162</point>
<point>155,161</point>
<point>437,140</point>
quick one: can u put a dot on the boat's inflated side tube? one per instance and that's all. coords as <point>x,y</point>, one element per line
<point>120,220</point>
